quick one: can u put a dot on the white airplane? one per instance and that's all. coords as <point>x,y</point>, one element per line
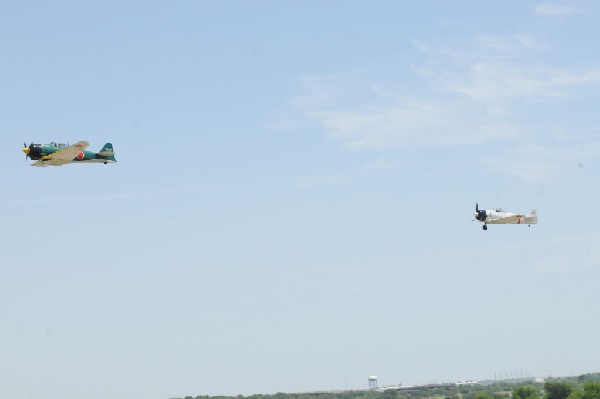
<point>500,216</point>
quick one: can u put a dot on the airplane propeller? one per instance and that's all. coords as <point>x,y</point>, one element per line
<point>480,215</point>
<point>33,151</point>
<point>26,150</point>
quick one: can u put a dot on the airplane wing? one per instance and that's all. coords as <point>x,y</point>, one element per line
<point>53,162</point>
<point>64,156</point>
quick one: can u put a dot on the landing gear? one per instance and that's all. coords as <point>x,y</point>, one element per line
<point>485,226</point>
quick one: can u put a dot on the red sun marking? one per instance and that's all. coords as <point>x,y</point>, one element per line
<point>80,156</point>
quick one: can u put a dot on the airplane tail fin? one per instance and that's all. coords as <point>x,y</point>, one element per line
<point>107,151</point>
<point>532,217</point>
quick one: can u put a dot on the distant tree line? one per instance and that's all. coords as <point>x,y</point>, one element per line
<point>560,390</point>
<point>585,386</point>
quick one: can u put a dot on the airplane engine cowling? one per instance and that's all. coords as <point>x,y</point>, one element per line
<point>35,151</point>
<point>481,216</point>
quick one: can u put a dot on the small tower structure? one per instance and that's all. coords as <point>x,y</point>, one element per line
<point>372,382</point>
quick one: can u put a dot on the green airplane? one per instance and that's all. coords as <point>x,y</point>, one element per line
<point>57,154</point>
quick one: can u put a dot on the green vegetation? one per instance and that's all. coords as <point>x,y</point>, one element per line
<point>557,389</point>
<point>527,392</point>
<point>585,386</point>
<point>591,390</point>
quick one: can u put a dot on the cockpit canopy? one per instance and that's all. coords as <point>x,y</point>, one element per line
<point>58,145</point>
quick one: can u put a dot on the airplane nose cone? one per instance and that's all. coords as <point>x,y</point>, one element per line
<point>26,150</point>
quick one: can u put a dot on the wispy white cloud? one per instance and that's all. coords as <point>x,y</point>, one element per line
<point>482,47</point>
<point>494,68</point>
<point>409,123</point>
<point>549,9</point>
<point>488,82</point>
<point>470,93</point>
<point>435,49</point>
<point>529,42</point>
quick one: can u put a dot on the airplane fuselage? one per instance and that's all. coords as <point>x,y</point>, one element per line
<point>494,217</point>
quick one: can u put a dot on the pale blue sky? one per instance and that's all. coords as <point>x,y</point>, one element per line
<point>291,208</point>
